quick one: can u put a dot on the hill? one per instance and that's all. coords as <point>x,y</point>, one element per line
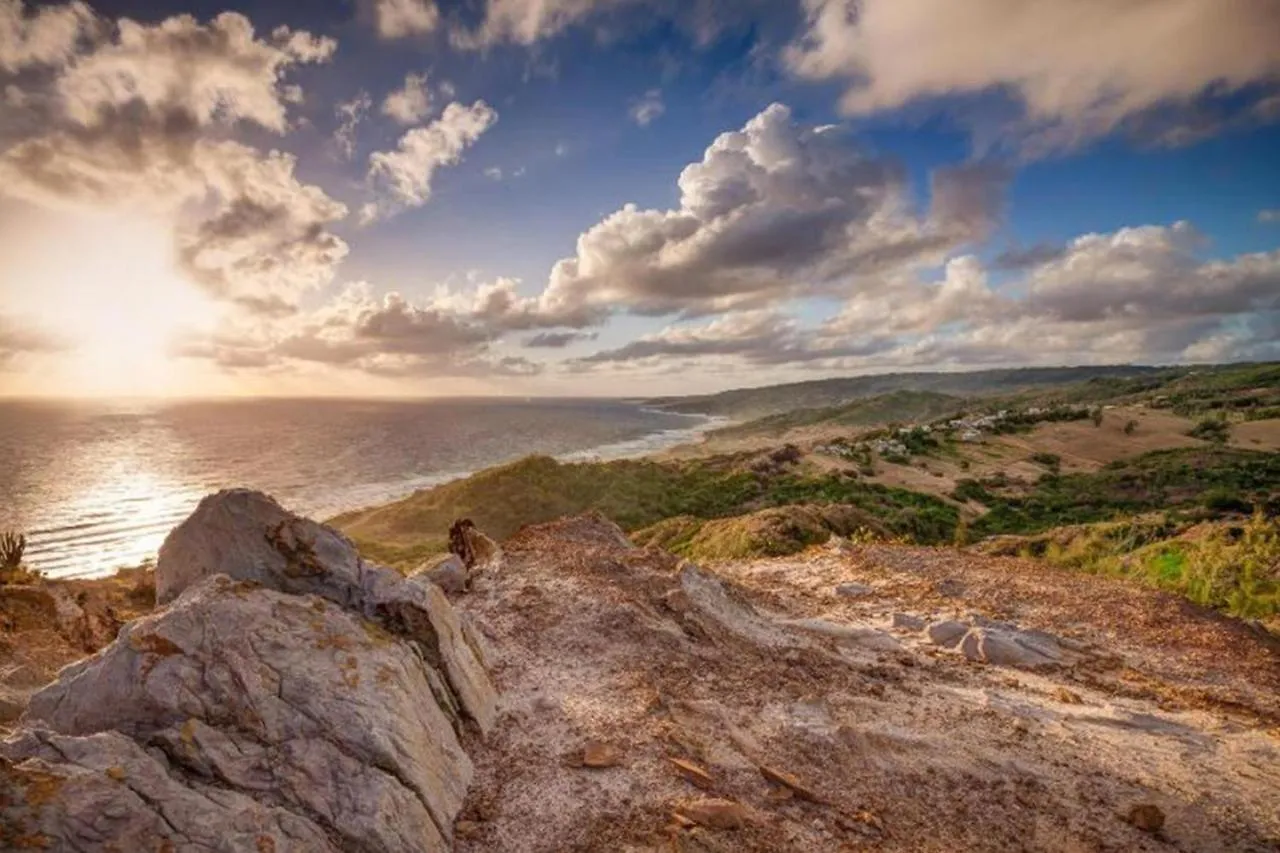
<point>747,403</point>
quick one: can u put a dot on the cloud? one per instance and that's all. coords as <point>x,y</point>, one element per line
<point>1018,258</point>
<point>411,103</point>
<point>1079,70</point>
<point>451,335</point>
<point>18,339</point>
<point>528,21</point>
<point>396,19</point>
<point>773,211</point>
<point>350,114</point>
<point>404,176</point>
<point>266,242</point>
<point>45,36</point>
<point>557,340</point>
<point>142,124</point>
<point>1136,294</point>
<point>647,108</point>
<point>1268,216</point>
<point>219,72</point>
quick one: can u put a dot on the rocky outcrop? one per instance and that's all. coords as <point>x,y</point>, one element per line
<point>247,536</point>
<point>289,697</point>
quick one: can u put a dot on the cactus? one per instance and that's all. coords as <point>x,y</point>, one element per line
<point>12,546</point>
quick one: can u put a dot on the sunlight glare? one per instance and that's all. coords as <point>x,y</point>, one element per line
<point>125,303</point>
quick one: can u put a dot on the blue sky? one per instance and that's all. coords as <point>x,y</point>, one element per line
<point>866,172</point>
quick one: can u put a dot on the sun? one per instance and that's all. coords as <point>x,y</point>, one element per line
<point>121,306</point>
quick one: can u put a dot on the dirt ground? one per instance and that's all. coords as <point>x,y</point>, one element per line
<point>800,704</point>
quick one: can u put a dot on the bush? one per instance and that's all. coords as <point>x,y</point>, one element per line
<point>1240,575</point>
<point>1130,428</point>
<point>1052,461</point>
<point>1223,500</point>
<point>1211,429</point>
<point>788,454</point>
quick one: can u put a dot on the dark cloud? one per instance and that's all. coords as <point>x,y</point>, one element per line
<point>1019,258</point>
<point>557,340</point>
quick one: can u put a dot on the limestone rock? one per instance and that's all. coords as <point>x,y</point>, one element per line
<point>247,536</point>
<point>268,716</point>
<point>947,633</point>
<point>906,622</point>
<point>450,574</point>
<point>1007,648</point>
<point>853,590</point>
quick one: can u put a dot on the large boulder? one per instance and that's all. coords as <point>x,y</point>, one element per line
<point>294,701</point>
<point>290,696</point>
<point>247,536</point>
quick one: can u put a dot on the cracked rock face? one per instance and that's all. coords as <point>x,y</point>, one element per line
<point>265,708</point>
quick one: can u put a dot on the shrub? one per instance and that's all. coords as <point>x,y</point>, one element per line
<point>12,547</point>
<point>1224,500</point>
<point>1211,429</point>
<point>1052,461</point>
<point>1130,427</point>
<point>788,454</point>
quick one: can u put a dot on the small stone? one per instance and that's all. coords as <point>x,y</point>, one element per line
<point>946,634</point>
<point>790,782</point>
<point>853,590</point>
<point>1067,697</point>
<point>450,574</point>
<point>906,622</point>
<point>677,601</point>
<point>714,813</point>
<point>1147,816</point>
<point>693,772</point>
<point>600,754</point>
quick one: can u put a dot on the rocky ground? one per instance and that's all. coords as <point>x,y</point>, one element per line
<point>576,693</point>
<point>850,698</point>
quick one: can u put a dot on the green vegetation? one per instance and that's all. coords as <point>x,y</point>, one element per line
<point>12,547</point>
<point>1159,480</point>
<point>1234,567</point>
<point>635,494</point>
<point>1216,430</point>
<point>1052,461</point>
<point>772,532</point>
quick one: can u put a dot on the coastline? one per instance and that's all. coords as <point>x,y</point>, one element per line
<point>136,552</point>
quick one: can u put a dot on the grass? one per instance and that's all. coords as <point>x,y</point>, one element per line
<point>773,532</point>
<point>634,493</point>
<point>1227,565</point>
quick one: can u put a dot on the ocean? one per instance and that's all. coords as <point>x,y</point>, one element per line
<point>96,486</point>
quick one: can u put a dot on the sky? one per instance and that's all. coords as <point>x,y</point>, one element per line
<point>628,197</point>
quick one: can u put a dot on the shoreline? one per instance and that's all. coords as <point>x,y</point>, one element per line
<point>373,495</point>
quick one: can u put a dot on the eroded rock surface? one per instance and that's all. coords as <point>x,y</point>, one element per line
<point>289,697</point>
